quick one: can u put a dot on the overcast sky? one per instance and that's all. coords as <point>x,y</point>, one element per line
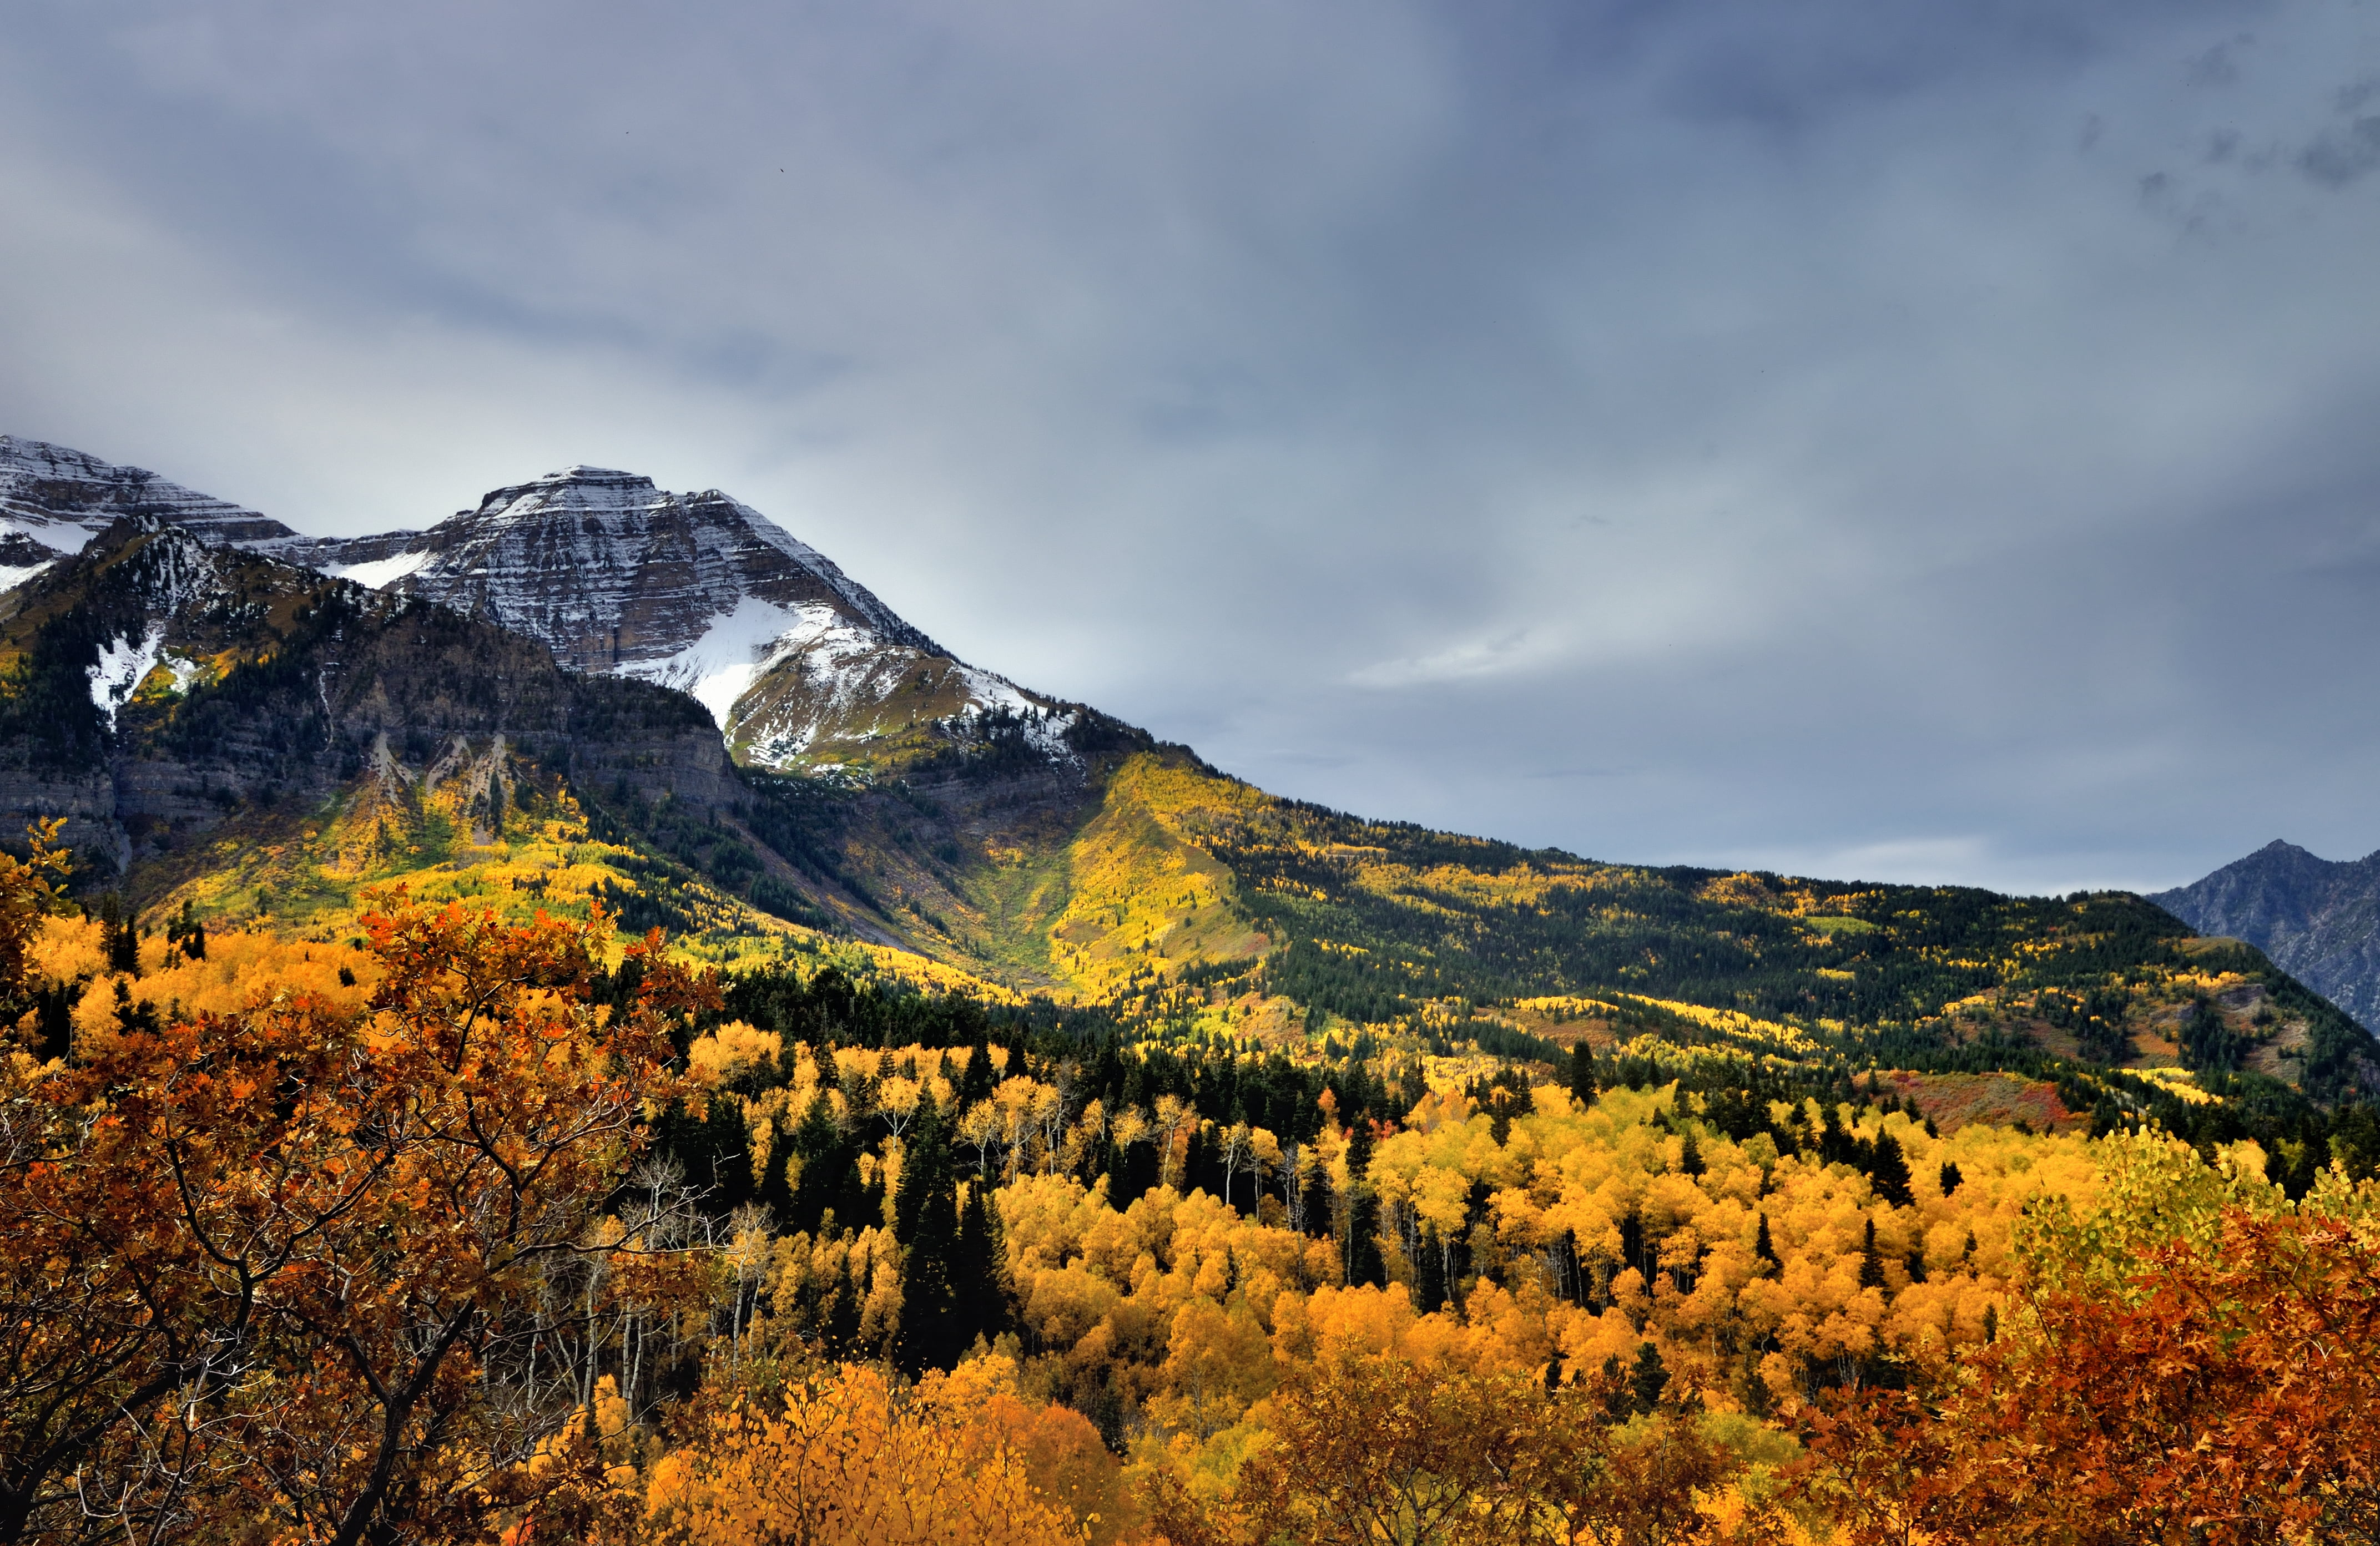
<point>1909,442</point>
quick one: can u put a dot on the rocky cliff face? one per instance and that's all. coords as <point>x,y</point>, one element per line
<point>2318,919</point>
<point>161,681</point>
<point>611,574</point>
<point>802,668</point>
<point>54,500</point>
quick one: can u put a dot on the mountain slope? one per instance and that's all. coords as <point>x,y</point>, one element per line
<point>255,737</point>
<point>156,684</point>
<point>2318,919</point>
<point>1181,877</point>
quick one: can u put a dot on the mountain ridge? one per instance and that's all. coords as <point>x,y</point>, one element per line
<point>251,737</point>
<point>54,500</point>
<point>802,667</point>
<point>2319,919</point>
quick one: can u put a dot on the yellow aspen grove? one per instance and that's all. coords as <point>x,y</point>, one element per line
<point>849,1459</point>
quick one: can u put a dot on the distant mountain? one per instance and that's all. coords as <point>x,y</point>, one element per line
<point>2318,919</point>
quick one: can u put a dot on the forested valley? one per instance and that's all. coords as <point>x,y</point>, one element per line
<point>471,1226</point>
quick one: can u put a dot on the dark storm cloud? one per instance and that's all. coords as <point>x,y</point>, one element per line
<point>1854,436</point>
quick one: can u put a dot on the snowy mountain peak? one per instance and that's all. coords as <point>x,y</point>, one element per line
<point>800,665</point>
<point>581,489</point>
<point>617,574</point>
<point>54,500</point>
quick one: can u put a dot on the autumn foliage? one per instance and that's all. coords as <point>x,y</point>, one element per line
<point>478,1231</point>
<point>283,1266</point>
<point>844,1455</point>
<point>2231,1395</point>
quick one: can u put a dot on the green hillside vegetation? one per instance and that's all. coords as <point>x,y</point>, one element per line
<point>1120,878</point>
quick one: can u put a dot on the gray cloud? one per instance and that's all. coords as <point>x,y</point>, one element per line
<point>1735,433</point>
<point>2343,155</point>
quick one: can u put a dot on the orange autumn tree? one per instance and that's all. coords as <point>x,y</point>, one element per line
<point>2229,1393</point>
<point>291,1264</point>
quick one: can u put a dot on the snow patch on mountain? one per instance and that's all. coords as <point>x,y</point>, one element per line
<point>1046,733</point>
<point>378,574</point>
<point>122,665</point>
<point>733,650</point>
<point>993,693</point>
<point>186,672</point>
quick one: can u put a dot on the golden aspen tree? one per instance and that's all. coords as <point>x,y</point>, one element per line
<point>851,1459</point>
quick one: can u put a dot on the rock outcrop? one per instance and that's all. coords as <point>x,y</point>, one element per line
<point>53,501</point>
<point>164,681</point>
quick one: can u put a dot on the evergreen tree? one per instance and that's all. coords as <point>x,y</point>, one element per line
<point>1319,1202</point>
<point>119,936</point>
<point>842,1327</point>
<point>1359,1249</point>
<point>1889,1172</point>
<point>830,1181</point>
<point>978,1274</point>
<point>54,1004</point>
<point>1950,1177</point>
<point>184,932</point>
<point>1870,1265</point>
<point>714,1152</point>
<point>1648,1379</point>
<point>1582,1073</point>
<point>1619,1397</point>
<point>1764,1248</point>
<point>920,1172</point>
<point>1690,1156</point>
<point>925,1224</point>
<point>1429,1272</point>
<point>1202,1163</point>
<point>1836,1146</point>
<point>1131,1171</point>
<point>134,1016</point>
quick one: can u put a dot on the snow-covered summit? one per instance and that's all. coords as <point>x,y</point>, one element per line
<point>800,664</point>
<point>614,574</point>
<point>54,500</point>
